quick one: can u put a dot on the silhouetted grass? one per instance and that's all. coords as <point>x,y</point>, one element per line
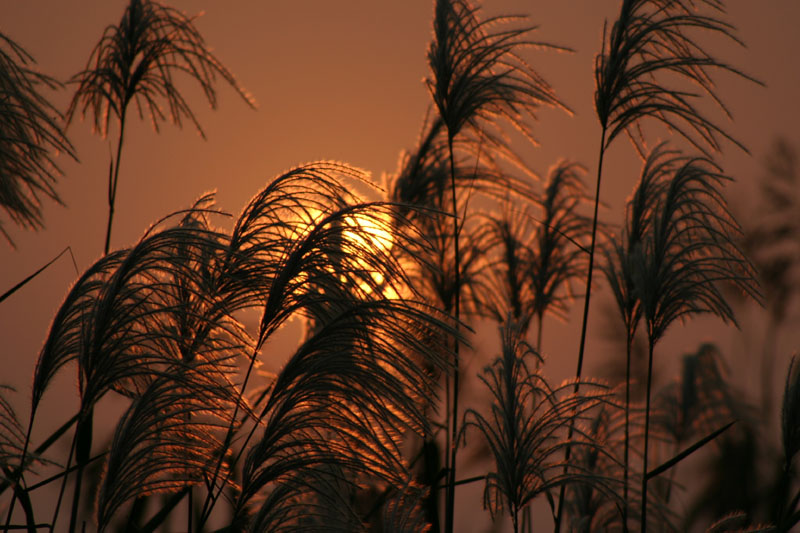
<point>388,292</point>
<point>31,135</point>
<point>135,62</point>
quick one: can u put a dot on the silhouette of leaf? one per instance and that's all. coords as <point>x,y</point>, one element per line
<point>596,506</point>
<point>690,250</point>
<point>421,189</point>
<point>139,309</point>
<point>562,233</point>
<point>404,513</point>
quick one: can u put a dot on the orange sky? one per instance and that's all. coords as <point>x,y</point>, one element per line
<point>333,80</point>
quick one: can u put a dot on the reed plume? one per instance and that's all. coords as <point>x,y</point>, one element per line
<point>478,80</point>
<point>692,249</point>
<point>135,61</point>
<point>524,429</point>
<point>31,136</point>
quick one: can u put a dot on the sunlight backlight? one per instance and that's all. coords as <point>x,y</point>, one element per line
<point>372,234</point>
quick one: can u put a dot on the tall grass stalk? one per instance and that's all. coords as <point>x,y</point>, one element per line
<point>135,61</point>
<point>585,320</point>
<point>650,46</point>
<point>691,249</point>
<point>386,291</point>
<point>451,474</point>
<point>477,77</point>
<point>619,268</point>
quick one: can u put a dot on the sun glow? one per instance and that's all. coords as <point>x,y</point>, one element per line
<point>373,233</point>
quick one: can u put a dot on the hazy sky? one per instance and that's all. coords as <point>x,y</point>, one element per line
<point>333,80</point>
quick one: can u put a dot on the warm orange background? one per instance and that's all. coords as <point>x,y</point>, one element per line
<point>343,80</point>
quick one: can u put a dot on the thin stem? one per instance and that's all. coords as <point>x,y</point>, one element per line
<point>673,461</point>
<point>447,411</point>
<point>83,449</point>
<point>113,179</point>
<point>25,503</point>
<point>585,322</point>
<point>469,480</point>
<point>451,473</point>
<point>24,500</point>
<point>581,349</point>
<point>66,472</point>
<point>647,434</point>
<point>169,504</point>
<point>39,450</point>
<point>64,481</point>
<point>43,447</point>
<point>27,279</point>
<point>626,461</point>
<point>18,474</point>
